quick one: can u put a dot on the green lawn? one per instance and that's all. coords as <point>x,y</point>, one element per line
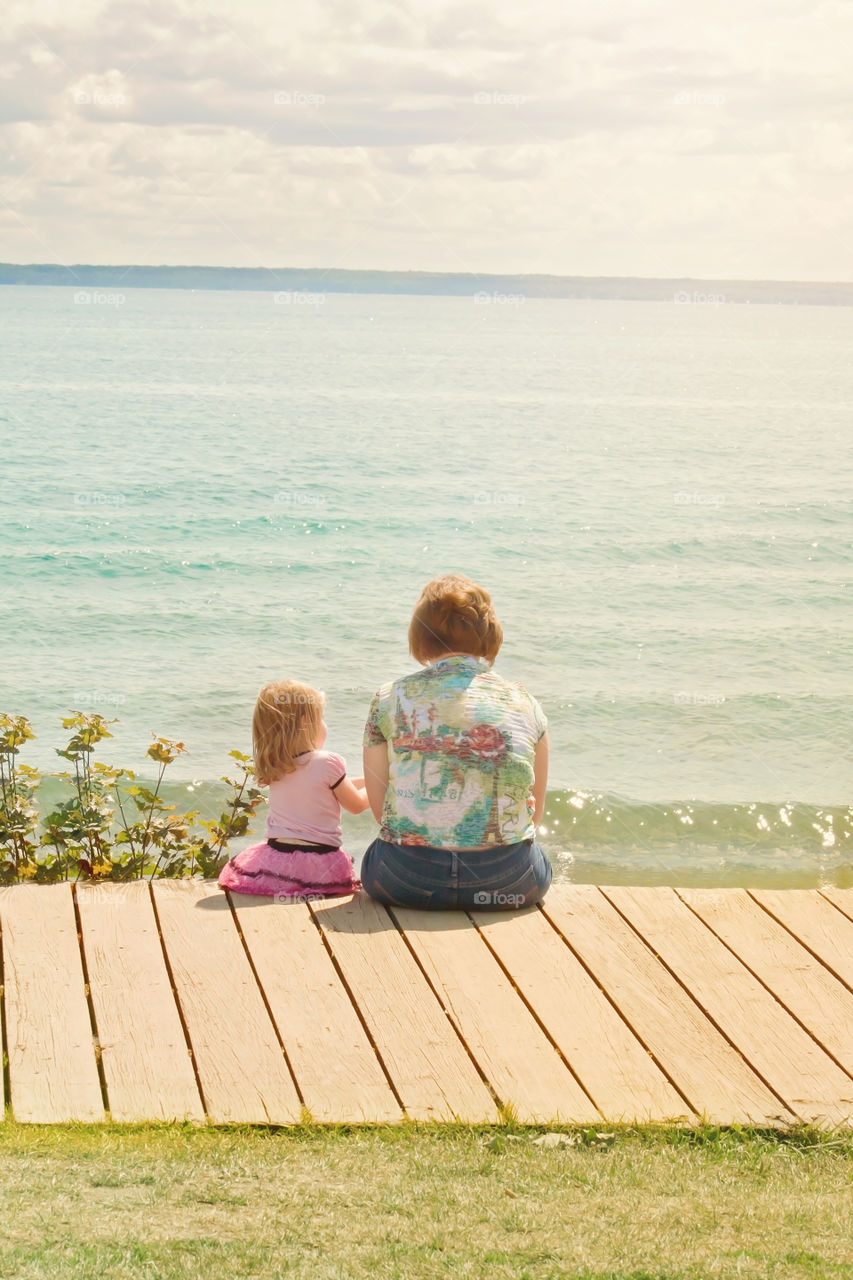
<point>418,1202</point>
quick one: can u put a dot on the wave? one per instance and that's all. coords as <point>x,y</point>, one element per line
<point>610,830</point>
<point>586,820</point>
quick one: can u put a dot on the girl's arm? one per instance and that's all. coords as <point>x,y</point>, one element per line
<point>351,796</point>
<point>376,777</point>
<point>540,778</point>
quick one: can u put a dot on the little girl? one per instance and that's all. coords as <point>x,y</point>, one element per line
<point>302,855</point>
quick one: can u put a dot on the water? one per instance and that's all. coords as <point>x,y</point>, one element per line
<point>202,491</point>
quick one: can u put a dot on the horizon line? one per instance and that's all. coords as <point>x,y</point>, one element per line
<point>416,271</point>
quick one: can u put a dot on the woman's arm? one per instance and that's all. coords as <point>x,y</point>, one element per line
<point>376,777</point>
<point>540,778</point>
<point>351,795</point>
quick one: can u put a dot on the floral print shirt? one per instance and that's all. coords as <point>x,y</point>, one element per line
<point>461,743</point>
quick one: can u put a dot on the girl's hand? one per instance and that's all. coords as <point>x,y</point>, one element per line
<point>351,796</point>
<point>357,782</point>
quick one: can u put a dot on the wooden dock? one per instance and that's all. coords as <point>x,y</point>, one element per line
<point>172,1001</point>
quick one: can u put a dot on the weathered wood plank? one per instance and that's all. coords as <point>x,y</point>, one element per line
<point>841,898</point>
<point>53,1070</point>
<point>818,924</point>
<point>723,999</point>
<point>147,1067</point>
<point>243,1072</point>
<point>339,1075</point>
<point>773,1043</point>
<point>511,1050</point>
<point>425,1059</point>
<point>801,983</point>
<point>608,1059</point>
<point>710,1074</point>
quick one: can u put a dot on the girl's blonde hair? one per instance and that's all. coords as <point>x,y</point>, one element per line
<point>454,615</point>
<point>287,722</point>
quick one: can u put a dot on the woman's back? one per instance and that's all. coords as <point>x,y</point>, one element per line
<point>462,742</point>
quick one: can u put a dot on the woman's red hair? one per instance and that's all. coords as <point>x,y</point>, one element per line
<point>454,615</point>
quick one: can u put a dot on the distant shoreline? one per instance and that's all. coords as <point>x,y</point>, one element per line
<point>482,287</point>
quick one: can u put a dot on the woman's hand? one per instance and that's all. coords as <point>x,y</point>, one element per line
<point>540,778</point>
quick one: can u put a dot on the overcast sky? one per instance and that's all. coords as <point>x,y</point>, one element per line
<point>610,137</point>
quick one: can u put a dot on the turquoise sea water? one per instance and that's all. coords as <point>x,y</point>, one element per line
<point>202,491</point>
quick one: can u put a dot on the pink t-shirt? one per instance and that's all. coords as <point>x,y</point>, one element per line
<point>303,804</point>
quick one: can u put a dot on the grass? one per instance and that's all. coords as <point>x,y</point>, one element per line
<point>418,1202</point>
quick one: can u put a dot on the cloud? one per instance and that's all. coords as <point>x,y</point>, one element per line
<point>427,134</point>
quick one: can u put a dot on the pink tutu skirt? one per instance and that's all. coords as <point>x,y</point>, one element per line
<point>297,873</point>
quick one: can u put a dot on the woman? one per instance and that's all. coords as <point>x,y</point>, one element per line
<point>455,766</point>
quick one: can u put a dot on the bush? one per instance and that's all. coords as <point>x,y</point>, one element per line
<point>110,827</point>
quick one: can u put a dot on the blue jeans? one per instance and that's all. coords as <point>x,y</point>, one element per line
<point>503,878</point>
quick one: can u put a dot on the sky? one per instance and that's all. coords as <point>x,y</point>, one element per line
<point>668,138</point>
